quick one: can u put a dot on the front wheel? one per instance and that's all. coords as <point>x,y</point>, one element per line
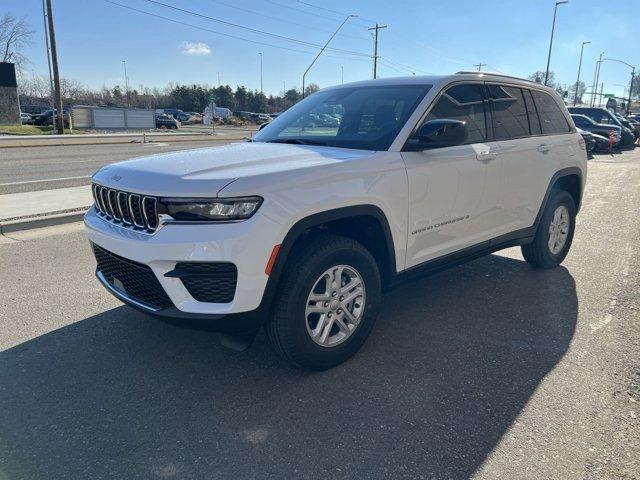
<point>555,232</point>
<point>326,304</point>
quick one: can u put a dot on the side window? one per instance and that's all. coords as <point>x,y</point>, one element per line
<point>509,112</point>
<point>534,118</point>
<point>465,103</point>
<point>551,117</point>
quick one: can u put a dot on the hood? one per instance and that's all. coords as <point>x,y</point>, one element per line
<point>206,171</point>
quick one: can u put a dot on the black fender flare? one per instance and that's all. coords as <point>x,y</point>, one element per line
<point>565,172</point>
<point>315,220</point>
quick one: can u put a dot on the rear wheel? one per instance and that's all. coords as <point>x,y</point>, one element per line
<point>555,232</point>
<point>326,303</point>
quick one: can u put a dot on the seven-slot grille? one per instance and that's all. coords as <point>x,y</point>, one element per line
<point>129,209</point>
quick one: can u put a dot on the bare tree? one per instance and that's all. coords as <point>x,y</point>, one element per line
<point>35,86</point>
<point>15,35</point>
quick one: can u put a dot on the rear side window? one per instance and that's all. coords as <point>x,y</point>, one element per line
<point>463,102</point>
<point>532,113</point>
<point>551,117</point>
<point>510,118</point>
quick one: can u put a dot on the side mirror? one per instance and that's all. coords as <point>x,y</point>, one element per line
<point>443,132</point>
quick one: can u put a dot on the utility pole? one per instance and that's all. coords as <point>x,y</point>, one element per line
<point>46,40</point>
<point>575,97</point>
<point>375,48</point>
<point>553,27</point>
<point>126,83</point>
<point>479,65</point>
<point>56,74</point>
<point>218,78</point>
<point>341,74</point>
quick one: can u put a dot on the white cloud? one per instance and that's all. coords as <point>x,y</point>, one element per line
<point>198,48</point>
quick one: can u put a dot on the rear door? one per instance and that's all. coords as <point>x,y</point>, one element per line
<point>522,150</point>
<point>557,147</point>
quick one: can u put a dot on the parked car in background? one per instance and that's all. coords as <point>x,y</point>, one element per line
<point>243,115</point>
<point>46,118</point>
<point>589,140</point>
<point>164,121</point>
<point>635,124</point>
<point>183,117</point>
<point>174,112</point>
<point>586,123</point>
<point>25,119</point>
<point>604,116</point>
<point>626,123</point>
<point>602,143</point>
<point>260,118</point>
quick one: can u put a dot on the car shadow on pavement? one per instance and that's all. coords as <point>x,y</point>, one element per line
<point>453,360</point>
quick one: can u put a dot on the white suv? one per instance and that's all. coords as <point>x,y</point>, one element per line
<point>303,228</point>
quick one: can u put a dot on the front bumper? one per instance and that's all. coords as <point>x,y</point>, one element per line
<point>246,244</point>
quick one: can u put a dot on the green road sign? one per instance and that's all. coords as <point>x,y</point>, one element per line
<point>609,95</point>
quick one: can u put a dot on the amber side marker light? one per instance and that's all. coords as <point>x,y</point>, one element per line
<point>272,259</point>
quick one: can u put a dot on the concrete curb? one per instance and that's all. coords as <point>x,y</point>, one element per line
<point>42,221</point>
<point>13,141</point>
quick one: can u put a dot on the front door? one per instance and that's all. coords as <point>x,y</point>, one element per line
<point>453,190</point>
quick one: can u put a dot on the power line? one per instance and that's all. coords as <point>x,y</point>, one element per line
<point>252,30</point>
<point>253,12</point>
<point>255,42</point>
<point>301,10</point>
<point>406,67</point>
<point>342,14</point>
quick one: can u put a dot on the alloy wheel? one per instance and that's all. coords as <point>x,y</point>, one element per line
<point>335,305</point>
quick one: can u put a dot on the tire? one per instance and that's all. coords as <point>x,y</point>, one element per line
<point>291,327</point>
<point>540,253</point>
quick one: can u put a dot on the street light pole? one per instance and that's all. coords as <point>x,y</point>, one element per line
<point>575,97</point>
<point>260,53</point>
<point>633,74</point>
<point>126,82</point>
<point>341,74</point>
<point>597,78</point>
<point>304,75</point>
<point>553,27</point>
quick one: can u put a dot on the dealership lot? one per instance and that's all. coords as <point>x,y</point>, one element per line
<point>488,370</point>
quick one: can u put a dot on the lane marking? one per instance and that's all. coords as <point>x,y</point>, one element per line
<point>45,180</point>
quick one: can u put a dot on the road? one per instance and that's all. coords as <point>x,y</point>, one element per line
<point>490,370</point>
<point>27,169</point>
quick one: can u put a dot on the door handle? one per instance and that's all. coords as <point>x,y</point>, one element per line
<point>485,156</point>
<point>544,148</point>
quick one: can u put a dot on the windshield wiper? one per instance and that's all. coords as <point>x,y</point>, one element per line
<point>296,141</point>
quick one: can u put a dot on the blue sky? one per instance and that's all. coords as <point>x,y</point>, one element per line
<point>426,36</point>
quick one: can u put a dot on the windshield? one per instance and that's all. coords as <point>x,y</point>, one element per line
<point>365,118</point>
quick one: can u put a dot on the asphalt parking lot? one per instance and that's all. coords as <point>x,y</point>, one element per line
<point>490,370</point>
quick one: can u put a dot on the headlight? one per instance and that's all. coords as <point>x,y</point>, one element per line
<point>211,209</point>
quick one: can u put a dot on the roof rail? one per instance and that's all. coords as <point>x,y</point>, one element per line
<point>494,74</point>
